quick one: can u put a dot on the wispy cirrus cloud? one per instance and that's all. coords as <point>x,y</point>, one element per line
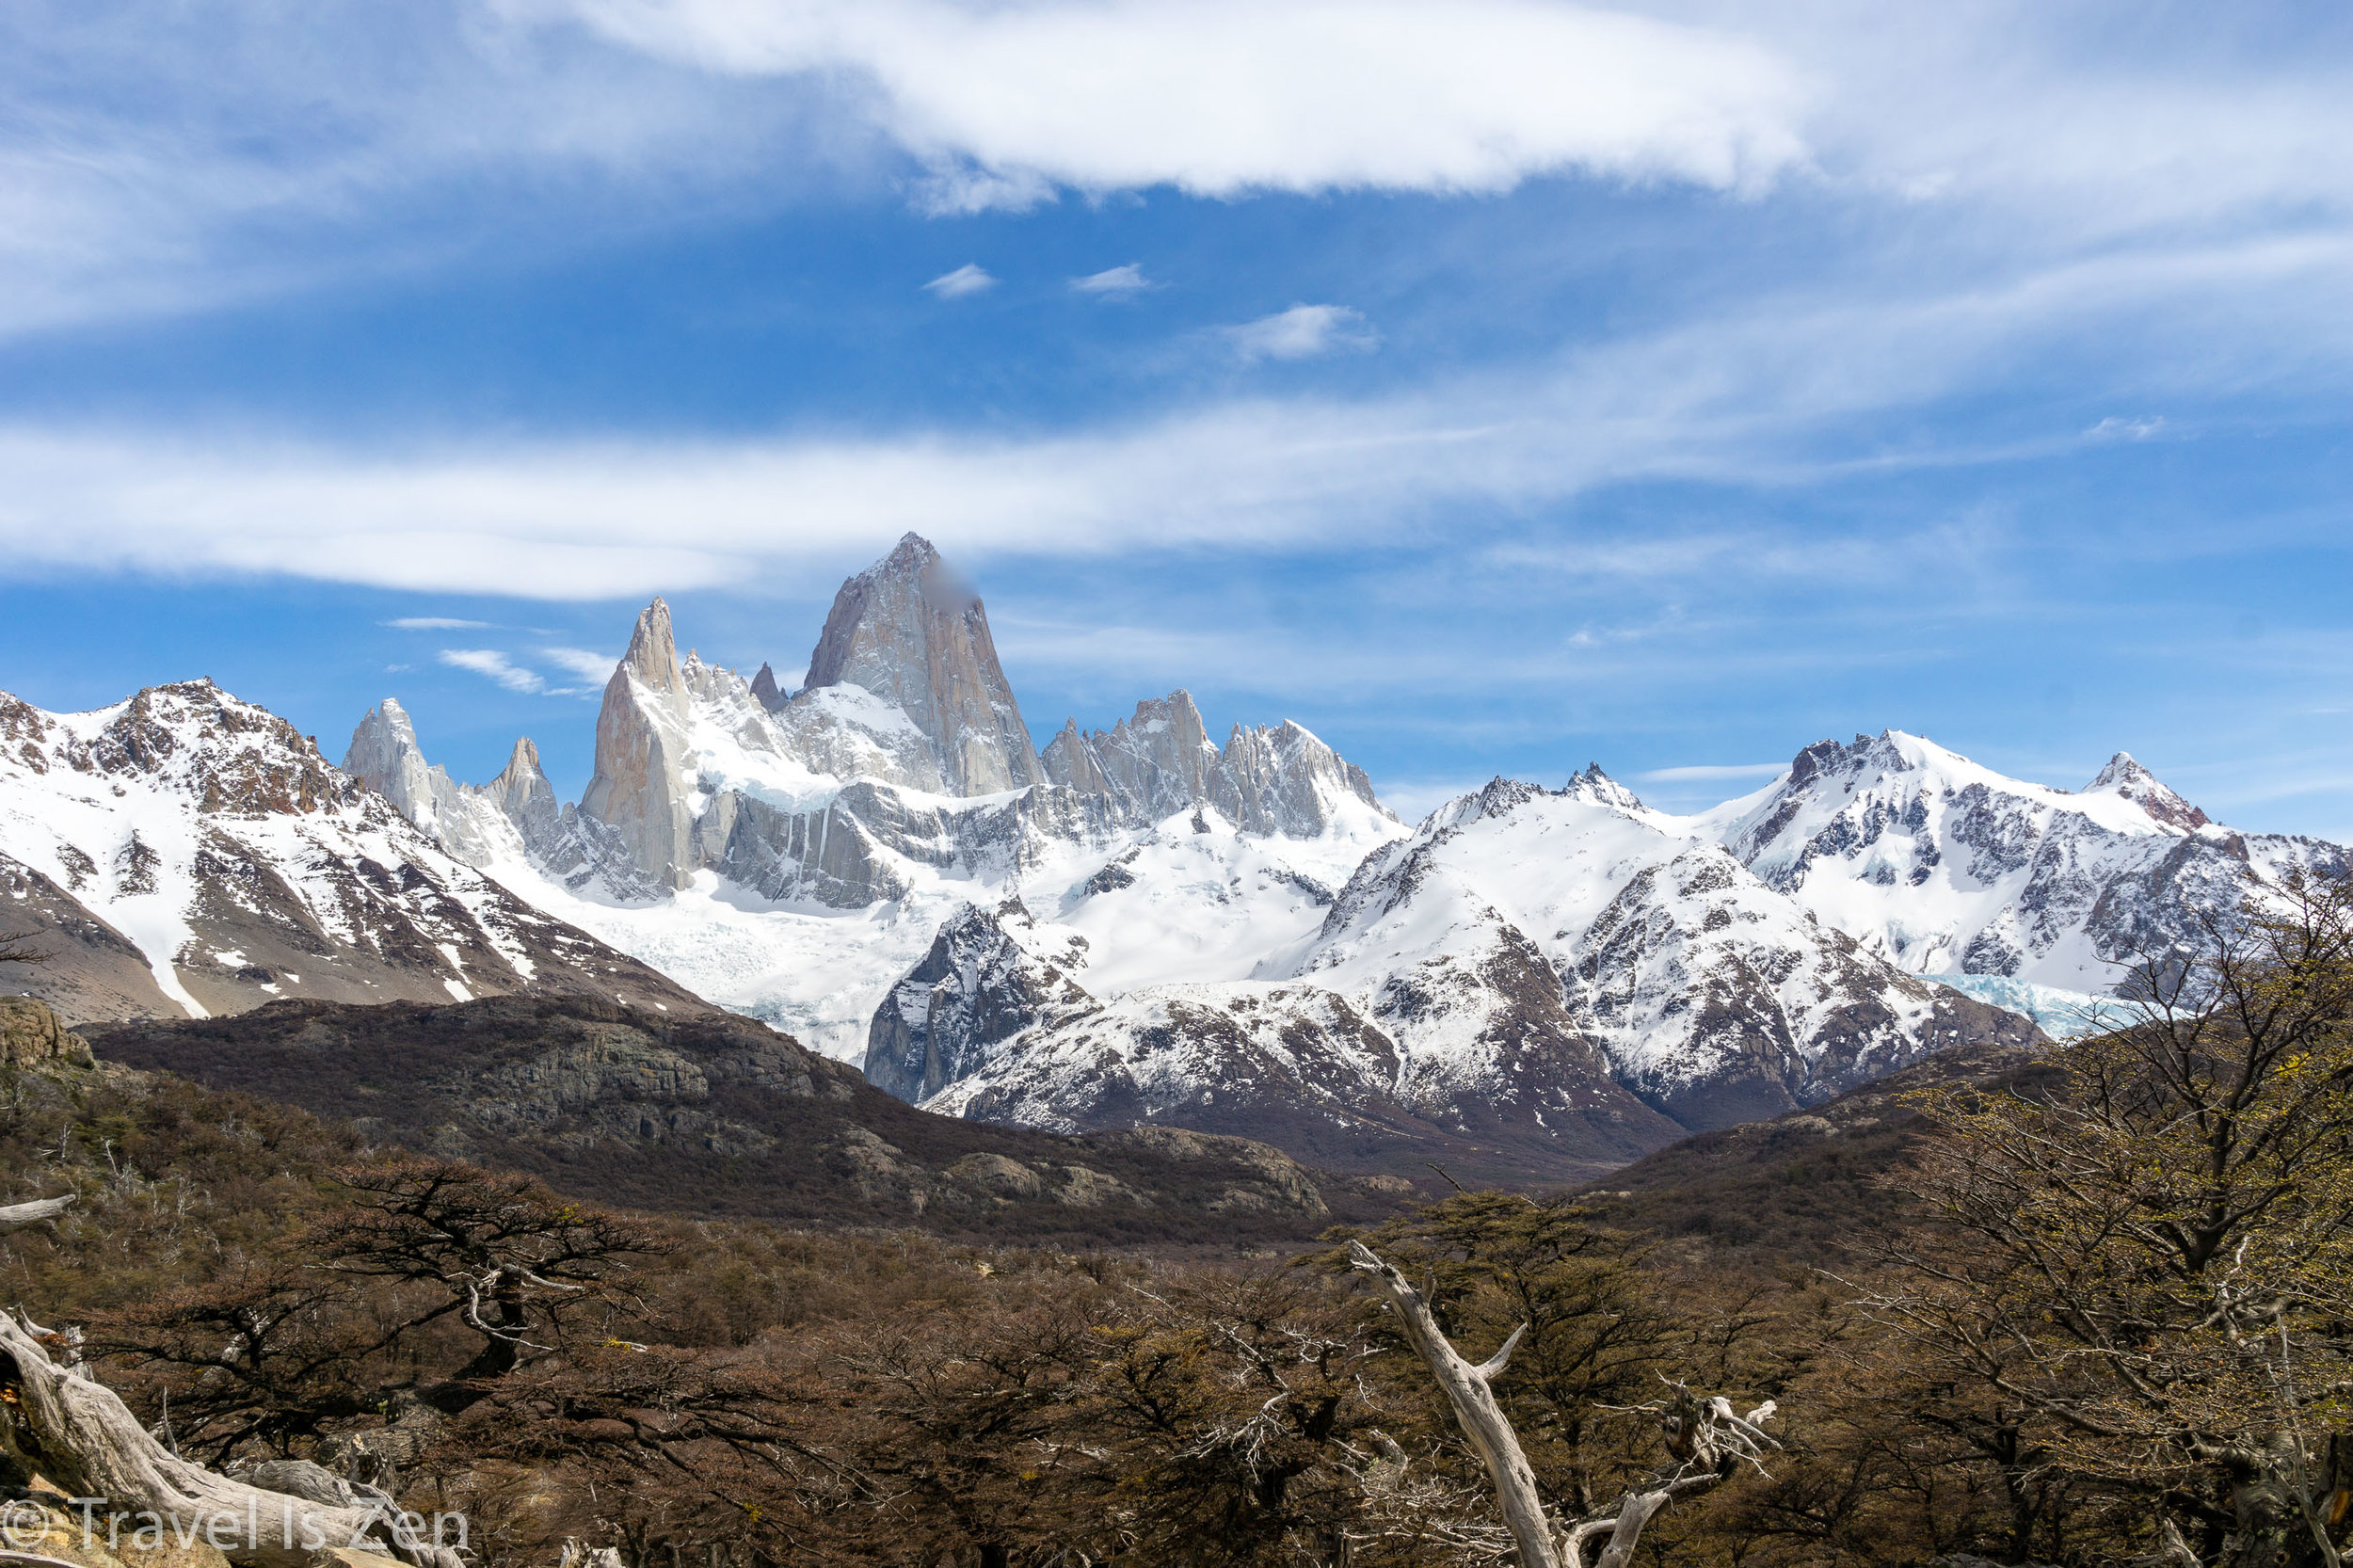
<point>435,623</point>
<point>167,159</point>
<point>1115,282</point>
<point>495,666</point>
<point>1302,332</point>
<point>1780,393</point>
<point>1709,771</point>
<point>582,664</point>
<point>964,281</point>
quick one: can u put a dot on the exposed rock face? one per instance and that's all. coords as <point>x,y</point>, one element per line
<point>480,824</point>
<point>1292,1063</point>
<point>509,824</point>
<point>2127,779</point>
<point>1266,780</point>
<point>909,631</point>
<point>1285,780</point>
<point>1753,1045</point>
<point>1154,766</point>
<point>993,1024</point>
<point>32,1036</point>
<point>525,795</point>
<point>208,836</point>
<point>988,976</point>
<point>841,797</point>
<point>644,754</point>
<point>385,757</point>
<point>1951,869</point>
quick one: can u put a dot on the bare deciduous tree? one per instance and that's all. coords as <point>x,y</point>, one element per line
<point>2152,1265</point>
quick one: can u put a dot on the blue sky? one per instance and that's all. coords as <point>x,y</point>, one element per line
<point>1492,387</point>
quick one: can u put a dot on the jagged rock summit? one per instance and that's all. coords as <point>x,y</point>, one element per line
<point>644,756</point>
<point>912,632</point>
<point>1268,780</point>
<point>830,829</point>
<point>471,820</point>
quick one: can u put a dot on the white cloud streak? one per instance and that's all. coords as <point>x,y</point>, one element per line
<point>1115,282</point>
<point>1230,97</point>
<point>968,279</point>
<point>1302,332</point>
<point>436,623</point>
<point>493,665</point>
<point>1772,396</point>
<point>171,158</point>
<point>1711,771</point>
<point>583,663</point>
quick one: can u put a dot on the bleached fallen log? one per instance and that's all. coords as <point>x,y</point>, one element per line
<point>82,1436</point>
<point>1706,1441</point>
<point>16,1216</point>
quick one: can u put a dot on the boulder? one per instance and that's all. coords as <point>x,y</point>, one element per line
<point>32,1036</point>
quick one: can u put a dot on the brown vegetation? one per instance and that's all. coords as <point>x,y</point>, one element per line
<point>2103,1320</point>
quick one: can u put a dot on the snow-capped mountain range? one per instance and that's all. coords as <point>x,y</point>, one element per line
<point>183,853</point>
<point>1953,870</point>
<point>1139,925</point>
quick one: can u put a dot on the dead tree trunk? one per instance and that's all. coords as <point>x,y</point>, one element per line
<point>16,1216</point>
<point>1706,1441</point>
<point>81,1436</point>
<point>1481,1418</point>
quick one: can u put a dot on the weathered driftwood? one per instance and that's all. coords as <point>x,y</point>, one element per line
<point>81,1436</point>
<point>1706,1441</point>
<point>16,1216</point>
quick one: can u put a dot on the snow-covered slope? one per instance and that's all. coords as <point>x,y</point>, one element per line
<point>996,1024</point>
<point>1949,869</point>
<point>1707,993</point>
<point>206,836</point>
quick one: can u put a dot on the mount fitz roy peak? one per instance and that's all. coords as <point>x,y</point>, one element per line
<point>1139,926</point>
<point>183,853</point>
<point>792,853</point>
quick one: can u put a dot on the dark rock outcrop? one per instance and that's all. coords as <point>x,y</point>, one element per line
<point>986,979</point>
<point>711,1113</point>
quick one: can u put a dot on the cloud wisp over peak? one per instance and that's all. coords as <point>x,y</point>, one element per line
<point>494,666</point>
